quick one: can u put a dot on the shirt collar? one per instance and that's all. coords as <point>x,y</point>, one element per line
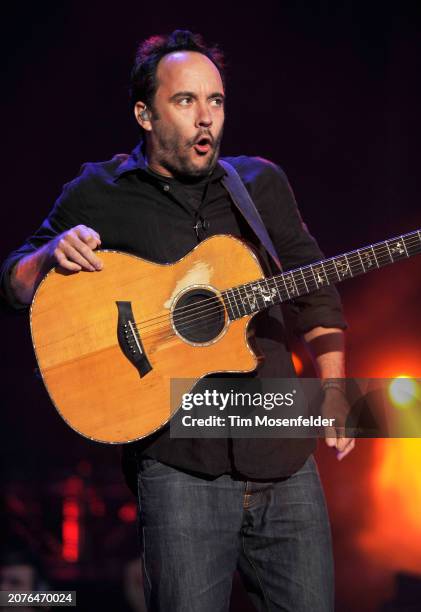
<point>136,161</point>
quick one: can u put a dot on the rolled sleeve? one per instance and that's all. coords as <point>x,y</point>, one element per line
<point>296,247</point>
<point>69,210</point>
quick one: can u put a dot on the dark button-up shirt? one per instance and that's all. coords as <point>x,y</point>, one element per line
<point>160,219</point>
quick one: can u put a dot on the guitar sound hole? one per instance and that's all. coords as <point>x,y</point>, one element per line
<point>199,316</point>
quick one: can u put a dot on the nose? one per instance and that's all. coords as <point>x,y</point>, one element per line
<point>204,116</point>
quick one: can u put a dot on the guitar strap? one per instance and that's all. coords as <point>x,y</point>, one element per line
<point>241,198</point>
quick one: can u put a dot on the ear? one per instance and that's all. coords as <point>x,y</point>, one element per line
<point>142,116</point>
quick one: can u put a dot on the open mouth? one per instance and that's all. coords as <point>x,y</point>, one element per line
<point>203,145</point>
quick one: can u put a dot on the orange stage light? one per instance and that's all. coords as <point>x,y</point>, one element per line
<point>298,364</point>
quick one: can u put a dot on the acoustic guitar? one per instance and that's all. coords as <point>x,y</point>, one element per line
<point>109,343</point>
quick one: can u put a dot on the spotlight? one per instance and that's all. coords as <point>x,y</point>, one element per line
<point>404,391</point>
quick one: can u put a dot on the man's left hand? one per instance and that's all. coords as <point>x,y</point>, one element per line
<point>335,405</point>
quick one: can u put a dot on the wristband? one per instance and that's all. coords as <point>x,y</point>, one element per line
<point>332,384</point>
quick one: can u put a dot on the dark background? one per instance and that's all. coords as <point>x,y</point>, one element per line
<point>331,92</point>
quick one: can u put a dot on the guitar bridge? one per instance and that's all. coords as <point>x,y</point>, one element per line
<point>129,339</point>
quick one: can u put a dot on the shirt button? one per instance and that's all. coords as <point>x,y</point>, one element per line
<point>166,187</point>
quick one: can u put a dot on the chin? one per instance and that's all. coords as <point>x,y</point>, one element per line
<point>193,167</point>
<point>205,167</point>
<point>201,171</point>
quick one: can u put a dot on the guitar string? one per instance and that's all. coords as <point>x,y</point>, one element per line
<point>214,303</point>
<point>167,329</point>
<point>215,300</point>
<point>330,260</point>
<point>207,314</point>
<point>201,321</point>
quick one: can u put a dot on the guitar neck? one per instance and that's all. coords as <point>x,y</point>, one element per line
<point>261,294</point>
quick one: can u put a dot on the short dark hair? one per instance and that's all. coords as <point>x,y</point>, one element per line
<point>143,83</point>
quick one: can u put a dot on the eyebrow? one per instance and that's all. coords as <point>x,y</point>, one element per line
<point>190,94</point>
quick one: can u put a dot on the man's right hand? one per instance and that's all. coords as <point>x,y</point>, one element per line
<point>73,250</point>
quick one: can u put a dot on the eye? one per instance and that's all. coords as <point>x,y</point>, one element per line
<point>184,101</point>
<point>217,101</point>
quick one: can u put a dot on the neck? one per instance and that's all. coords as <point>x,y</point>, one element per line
<point>155,166</point>
<point>258,295</point>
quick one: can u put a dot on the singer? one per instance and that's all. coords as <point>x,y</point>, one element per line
<point>207,506</point>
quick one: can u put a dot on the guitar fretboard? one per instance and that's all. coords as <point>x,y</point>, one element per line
<point>261,294</point>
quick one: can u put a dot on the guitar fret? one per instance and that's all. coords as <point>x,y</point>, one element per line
<point>305,284</point>
<point>324,272</point>
<point>404,246</point>
<point>245,302</point>
<point>236,302</point>
<point>349,265</point>
<point>262,293</point>
<point>367,258</point>
<point>248,298</point>
<point>290,284</point>
<point>331,271</point>
<point>356,264</point>
<point>282,287</point>
<point>361,261</point>
<point>259,295</point>
<point>388,250</point>
<point>230,314</point>
<point>336,269</point>
<point>310,281</point>
<point>253,294</point>
<point>277,288</point>
<point>270,291</point>
<point>317,270</point>
<point>374,254</point>
<point>408,243</point>
<point>413,243</point>
<point>242,297</point>
<point>314,276</point>
<point>276,297</point>
<point>286,288</point>
<point>295,284</point>
<point>267,286</point>
<point>396,249</point>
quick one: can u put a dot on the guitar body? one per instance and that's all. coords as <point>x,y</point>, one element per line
<point>83,331</point>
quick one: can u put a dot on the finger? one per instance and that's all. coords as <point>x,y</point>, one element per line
<point>89,236</point>
<point>88,253</point>
<point>350,446</point>
<point>342,443</point>
<point>85,251</point>
<point>65,263</point>
<point>90,239</point>
<point>330,432</point>
<point>73,255</point>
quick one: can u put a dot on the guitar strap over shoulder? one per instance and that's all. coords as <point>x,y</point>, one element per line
<point>241,198</point>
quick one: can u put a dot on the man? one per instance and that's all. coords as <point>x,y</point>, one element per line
<point>206,506</point>
<point>20,570</point>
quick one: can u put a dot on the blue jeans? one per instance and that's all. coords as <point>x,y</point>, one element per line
<point>197,531</point>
